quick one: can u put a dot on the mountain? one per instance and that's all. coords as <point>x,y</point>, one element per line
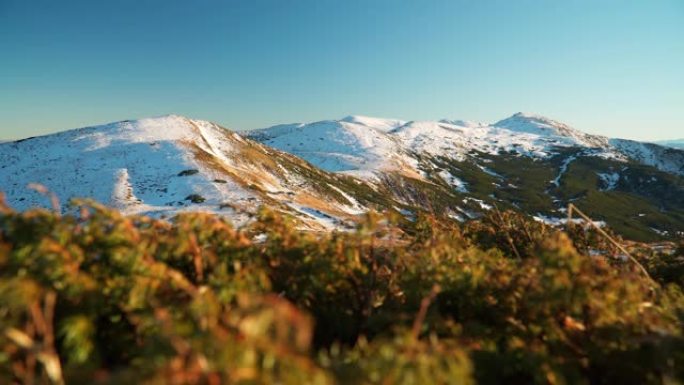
<point>326,174</point>
<point>166,165</point>
<point>358,144</point>
<point>545,127</point>
<point>525,162</point>
<point>676,143</point>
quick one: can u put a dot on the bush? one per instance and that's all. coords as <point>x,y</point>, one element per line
<point>195,198</point>
<point>104,298</point>
<point>188,172</point>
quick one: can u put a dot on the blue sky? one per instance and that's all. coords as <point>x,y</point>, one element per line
<point>608,67</point>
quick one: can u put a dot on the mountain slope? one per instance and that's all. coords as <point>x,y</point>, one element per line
<point>165,165</point>
<point>328,173</point>
<point>347,145</point>
<point>664,158</point>
<point>525,162</point>
<point>676,143</point>
<point>540,125</point>
<point>370,144</point>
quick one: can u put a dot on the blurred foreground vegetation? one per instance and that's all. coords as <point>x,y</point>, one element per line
<point>100,298</point>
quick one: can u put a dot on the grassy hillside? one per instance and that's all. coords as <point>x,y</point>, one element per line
<point>101,298</point>
<point>642,204</point>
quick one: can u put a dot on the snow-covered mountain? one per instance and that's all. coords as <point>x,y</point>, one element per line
<point>526,161</point>
<point>327,173</point>
<point>361,145</point>
<point>345,145</point>
<point>165,165</point>
<point>675,143</point>
<point>545,127</point>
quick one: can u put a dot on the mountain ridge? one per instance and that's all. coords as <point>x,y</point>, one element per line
<point>524,133</point>
<point>328,173</point>
<point>674,143</point>
<point>169,164</point>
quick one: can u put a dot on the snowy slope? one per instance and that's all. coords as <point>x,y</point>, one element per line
<point>377,123</point>
<point>346,145</point>
<point>545,127</point>
<point>664,158</point>
<point>456,140</point>
<point>327,173</point>
<point>162,166</point>
<point>676,143</point>
<point>364,145</point>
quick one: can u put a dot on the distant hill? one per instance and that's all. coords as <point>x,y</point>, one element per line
<point>526,162</point>
<point>326,174</point>
<point>162,166</point>
<point>676,143</point>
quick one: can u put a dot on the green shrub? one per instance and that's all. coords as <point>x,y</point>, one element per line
<point>188,172</point>
<point>105,298</point>
<point>195,198</point>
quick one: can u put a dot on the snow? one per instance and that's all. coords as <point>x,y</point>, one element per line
<point>122,193</point>
<point>456,217</point>
<point>660,232</point>
<point>462,123</point>
<point>137,166</point>
<point>355,207</point>
<point>488,171</point>
<point>563,169</point>
<point>332,145</point>
<point>367,148</point>
<point>675,143</point>
<point>328,222</point>
<point>540,125</point>
<point>376,123</point>
<point>445,139</point>
<point>468,213</point>
<point>453,181</point>
<point>609,180</point>
<point>131,165</point>
<point>480,202</point>
<point>554,221</point>
<point>363,146</point>
<point>665,159</point>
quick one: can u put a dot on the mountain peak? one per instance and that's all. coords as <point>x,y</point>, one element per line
<point>535,124</point>
<point>159,118</point>
<point>167,164</point>
<point>379,123</point>
<point>522,114</point>
<point>164,165</point>
<point>165,127</point>
<point>523,122</point>
<point>530,117</point>
<point>462,123</point>
<point>673,143</point>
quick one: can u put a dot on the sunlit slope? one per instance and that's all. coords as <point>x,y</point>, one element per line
<point>161,166</point>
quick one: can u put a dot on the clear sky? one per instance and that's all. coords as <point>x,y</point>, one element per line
<point>613,67</point>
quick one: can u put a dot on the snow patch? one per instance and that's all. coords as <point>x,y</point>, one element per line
<point>554,221</point>
<point>480,202</point>
<point>563,169</point>
<point>609,180</point>
<point>453,181</point>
